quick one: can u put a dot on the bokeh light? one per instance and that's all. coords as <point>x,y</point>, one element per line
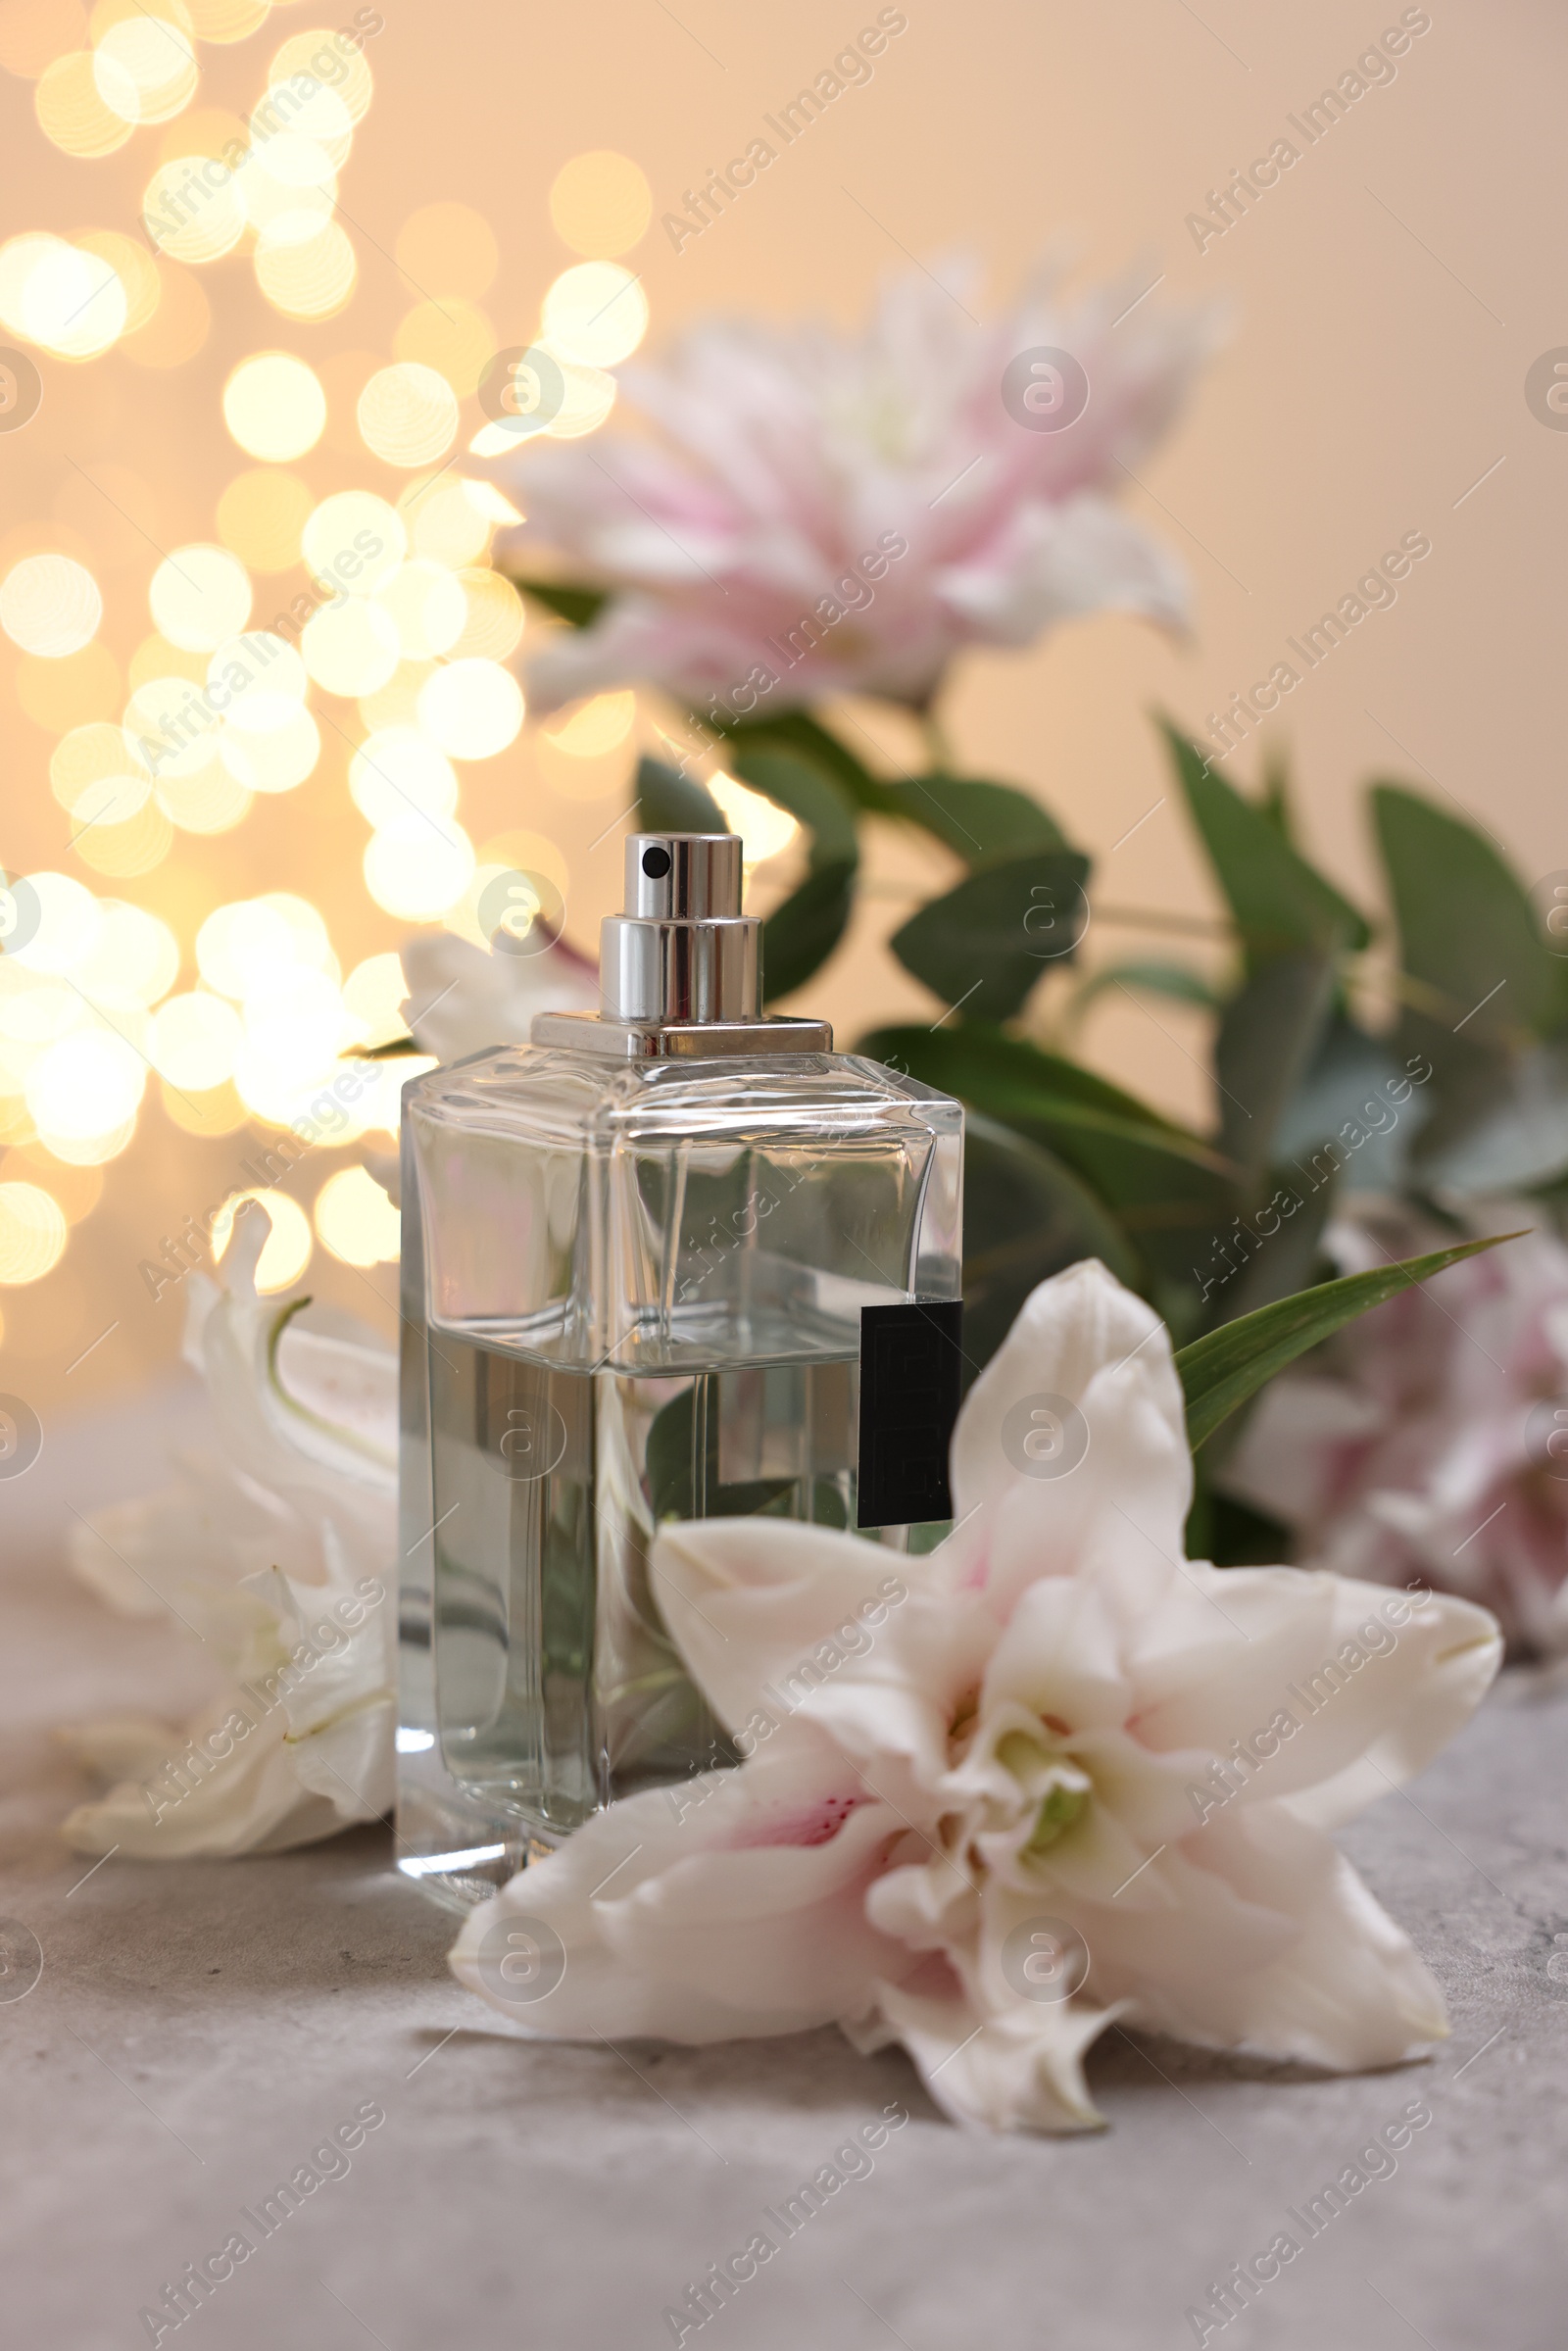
<point>427,607</point>
<point>372,995</point>
<point>50,604</point>
<point>600,204</point>
<point>327,57</point>
<point>191,208</point>
<point>145,68</point>
<point>72,111</point>
<point>350,648</point>
<point>276,758</point>
<point>262,516</point>
<point>355,1219</point>
<point>493,615</point>
<point>596,313</point>
<point>304,265</point>
<point>471,709</point>
<point>134,268</point>
<point>592,728</point>
<point>71,690</point>
<point>286,1250</point>
<point>764,827</point>
<point>353,541</point>
<point>418,866</point>
<point>33,1233</point>
<point>455,337</point>
<point>194,1041</point>
<point>408,414</point>
<point>179,327</point>
<point>198,596</point>
<point>274,407</point>
<point>398,771</point>
<point>86,1086</point>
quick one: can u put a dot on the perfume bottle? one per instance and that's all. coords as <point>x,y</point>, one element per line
<point>671,1260</point>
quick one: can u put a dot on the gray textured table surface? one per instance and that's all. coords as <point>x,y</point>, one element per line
<point>199,2029</point>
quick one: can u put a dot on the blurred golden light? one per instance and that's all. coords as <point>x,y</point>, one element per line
<point>191,208</point>
<point>594,727</point>
<point>50,605</point>
<point>212,799</point>
<point>170,727</point>
<point>764,827</point>
<point>274,407</point>
<point>397,702</point>
<point>75,1190</point>
<point>252,944</point>
<point>471,709</point>
<point>33,1233</point>
<point>209,132</point>
<point>493,615</point>
<point>146,67</point>
<point>427,608</point>
<point>88,756</point>
<point>72,302</point>
<point>110,802</point>
<point>452,336</point>
<point>448,248</point>
<point>596,313</point>
<point>267,199</point>
<point>373,993</point>
<point>89,1150</point>
<point>70,108</point>
<point>200,597</point>
<point>350,648</point>
<point>32,31</point>
<point>135,959</point>
<point>73,690</point>
<point>408,414</point>
<point>262,516</point>
<point>227,20</point>
<point>286,1250</point>
<point>318,115</point>
<point>326,57</point>
<point>398,771</point>
<point>304,265</point>
<point>277,760</point>
<point>600,203</point>
<point>194,1041</point>
<point>85,1085</point>
<point>156,656</point>
<point>355,1219</point>
<point>216,1111</point>
<point>590,395</point>
<point>69,924</point>
<point>575,778</point>
<point>264,680</point>
<point>125,850</point>
<point>447,522</point>
<point>416,867</point>
<point>354,541</point>
<point>519,851</point>
<point>133,265</point>
<point>179,327</point>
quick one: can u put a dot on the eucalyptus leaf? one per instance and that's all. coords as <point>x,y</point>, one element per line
<point>580,606</point>
<point>1025,1217</point>
<point>682,1462</point>
<point>1281,905</point>
<point>817,801</point>
<point>1177,981</point>
<point>668,802</point>
<point>984,946</point>
<point>1221,1370</point>
<point>1467,930</point>
<point>1267,1038</point>
<point>799,732</point>
<point>802,932</point>
<point>983,822</point>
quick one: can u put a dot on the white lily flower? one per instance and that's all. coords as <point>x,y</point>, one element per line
<point>1050,1774</point>
<point>278,1553</point>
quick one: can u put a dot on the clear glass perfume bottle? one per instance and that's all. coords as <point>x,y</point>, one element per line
<point>672,1259</point>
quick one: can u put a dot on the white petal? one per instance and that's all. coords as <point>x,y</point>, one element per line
<point>1018,2070</point>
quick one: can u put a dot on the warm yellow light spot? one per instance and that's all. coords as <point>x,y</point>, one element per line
<point>77,1190</point>
<point>295,110</point>
<point>577,778</point>
<point>71,691</point>
<point>69,920</point>
<point>85,1085</point>
<point>155,657</point>
<point>133,265</point>
<point>135,959</point>
<point>180,326</point>
<point>274,761</point>
<point>400,773</point>
<point>350,648</point>
<point>262,679</point>
<point>449,248</point>
<point>212,799</point>
<point>206,130</point>
<point>600,204</point>
<point>123,851</point>
<point>170,727</point>
<point>219,1111</point>
<point>146,67</point>
<point>33,1233</point>
<point>274,407</point>
<point>70,108</point>
<point>32,31</point>
<point>427,608</point>
<point>88,1151</point>
<point>327,57</point>
<point>194,1040</point>
<point>191,208</point>
<point>286,1250</point>
<point>408,414</point>
<point>227,20</point>
<point>446,520</point>
<point>356,1220</point>
<point>520,852</point>
<point>200,597</point>
<point>304,265</point>
<point>452,336</point>
<point>471,709</point>
<point>87,758</point>
<point>249,945</point>
<point>309,194</point>
<point>492,618</point>
<point>594,727</point>
<point>262,516</point>
<point>596,313</point>
<point>589,397</point>
<point>764,827</point>
<point>70,301</point>
<point>397,702</point>
<point>354,541</point>
<point>50,604</point>
<point>419,866</point>
<point>373,995</point>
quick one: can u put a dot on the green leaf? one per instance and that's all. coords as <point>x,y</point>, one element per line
<point>1281,905</point>
<point>986,944</point>
<point>802,932</point>
<point>580,605</point>
<point>1008,1067</point>
<point>1178,981</point>
<point>810,796</point>
<point>393,1050</point>
<point>1267,1038</point>
<point>984,823</point>
<point>1025,1216</point>
<point>797,731</point>
<point>1222,1369</point>
<point>668,802</point>
<point>682,1461</point>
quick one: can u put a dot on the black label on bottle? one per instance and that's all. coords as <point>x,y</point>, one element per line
<point>910,1362</point>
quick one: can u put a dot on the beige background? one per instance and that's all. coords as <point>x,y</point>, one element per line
<point>1389,297</point>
